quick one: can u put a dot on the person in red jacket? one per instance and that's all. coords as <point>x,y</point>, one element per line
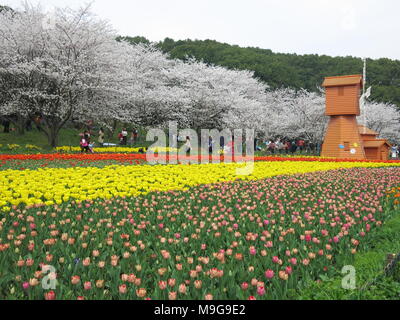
<point>301,145</point>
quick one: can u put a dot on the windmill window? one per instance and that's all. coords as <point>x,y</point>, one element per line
<point>341,91</point>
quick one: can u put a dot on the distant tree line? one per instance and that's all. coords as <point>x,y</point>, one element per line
<point>280,70</point>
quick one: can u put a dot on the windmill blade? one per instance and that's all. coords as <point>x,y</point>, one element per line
<point>368,92</point>
<point>362,101</point>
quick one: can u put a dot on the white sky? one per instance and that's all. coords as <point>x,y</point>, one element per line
<point>362,28</point>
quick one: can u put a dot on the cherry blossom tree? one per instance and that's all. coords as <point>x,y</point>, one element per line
<point>213,96</point>
<point>383,118</point>
<point>71,69</point>
<point>75,69</point>
<point>288,113</point>
<point>153,98</point>
<point>299,114</point>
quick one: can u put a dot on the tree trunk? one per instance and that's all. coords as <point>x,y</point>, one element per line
<point>51,131</point>
<point>21,129</point>
<point>52,138</point>
<point>6,125</point>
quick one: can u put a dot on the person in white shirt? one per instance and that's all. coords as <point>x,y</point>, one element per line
<point>395,150</point>
<point>124,134</point>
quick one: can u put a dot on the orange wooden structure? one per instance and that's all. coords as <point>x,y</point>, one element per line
<point>344,138</point>
<point>375,149</point>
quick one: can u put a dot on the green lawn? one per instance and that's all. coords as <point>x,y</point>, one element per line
<point>67,137</point>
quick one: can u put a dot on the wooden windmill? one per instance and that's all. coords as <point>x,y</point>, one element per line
<point>344,138</point>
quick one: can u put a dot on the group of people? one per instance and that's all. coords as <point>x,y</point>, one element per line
<point>228,147</point>
<point>87,146</point>
<point>277,146</point>
<point>85,143</point>
<point>123,137</point>
<point>285,146</point>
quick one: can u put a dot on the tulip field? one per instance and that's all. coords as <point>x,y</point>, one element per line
<point>112,226</point>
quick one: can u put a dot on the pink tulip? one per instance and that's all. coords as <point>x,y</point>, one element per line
<point>260,291</point>
<point>51,295</point>
<point>269,274</point>
<point>122,288</point>
<point>335,239</point>
<point>87,285</point>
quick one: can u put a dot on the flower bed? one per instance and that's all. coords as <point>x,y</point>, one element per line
<point>56,185</point>
<point>167,158</point>
<point>231,240</point>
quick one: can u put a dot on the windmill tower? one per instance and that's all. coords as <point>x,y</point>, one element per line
<point>342,139</point>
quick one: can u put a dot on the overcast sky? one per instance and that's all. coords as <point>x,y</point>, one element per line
<point>362,28</point>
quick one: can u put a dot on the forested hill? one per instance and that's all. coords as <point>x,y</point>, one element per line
<point>289,70</point>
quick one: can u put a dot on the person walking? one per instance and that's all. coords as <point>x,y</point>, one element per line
<point>278,146</point>
<point>86,136</point>
<point>286,147</point>
<point>293,146</point>
<point>135,135</point>
<point>100,139</point>
<point>188,145</point>
<point>271,147</point>
<point>395,151</point>
<point>85,141</point>
<point>222,142</point>
<point>300,145</point>
<point>210,145</point>
<point>124,134</point>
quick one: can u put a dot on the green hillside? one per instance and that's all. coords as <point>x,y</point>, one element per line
<point>288,70</point>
